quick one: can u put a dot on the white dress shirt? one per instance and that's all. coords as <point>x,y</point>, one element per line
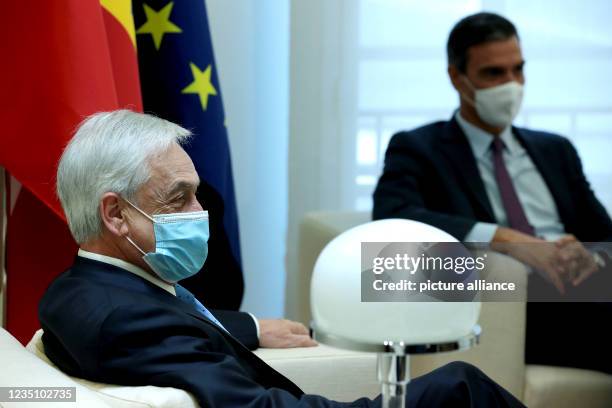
<point>533,193</point>
<point>120,263</point>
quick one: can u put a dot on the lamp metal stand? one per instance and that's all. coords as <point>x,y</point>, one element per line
<point>393,371</point>
<point>393,363</point>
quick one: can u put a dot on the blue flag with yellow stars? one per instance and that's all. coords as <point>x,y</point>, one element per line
<point>179,81</point>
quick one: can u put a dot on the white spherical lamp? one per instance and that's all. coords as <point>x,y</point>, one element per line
<point>393,329</point>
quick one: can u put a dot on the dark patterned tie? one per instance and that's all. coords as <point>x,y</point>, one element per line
<point>514,210</point>
<point>187,297</point>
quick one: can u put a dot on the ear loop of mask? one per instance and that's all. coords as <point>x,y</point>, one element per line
<point>139,210</point>
<point>135,246</point>
<point>469,84</point>
<point>146,215</point>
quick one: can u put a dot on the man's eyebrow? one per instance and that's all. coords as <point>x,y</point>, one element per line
<point>491,68</point>
<point>180,186</point>
<point>494,67</point>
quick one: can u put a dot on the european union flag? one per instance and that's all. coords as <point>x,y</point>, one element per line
<point>179,82</point>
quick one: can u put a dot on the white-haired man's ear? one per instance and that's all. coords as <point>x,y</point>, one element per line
<point>112,214</point>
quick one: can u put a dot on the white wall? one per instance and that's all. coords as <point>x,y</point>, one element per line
<point>251,44</point>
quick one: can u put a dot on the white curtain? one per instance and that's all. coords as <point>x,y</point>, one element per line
<point>251,44</point>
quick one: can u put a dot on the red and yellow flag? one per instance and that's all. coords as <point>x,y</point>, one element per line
<point>62,61</point>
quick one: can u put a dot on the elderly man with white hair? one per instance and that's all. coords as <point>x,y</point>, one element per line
<point>118,314</point>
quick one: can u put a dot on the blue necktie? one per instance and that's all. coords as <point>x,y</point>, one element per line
<point>187,297</point>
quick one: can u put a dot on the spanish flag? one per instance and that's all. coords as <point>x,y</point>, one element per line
<point>62,61</point>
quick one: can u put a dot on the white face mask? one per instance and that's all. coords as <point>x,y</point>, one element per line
<point>498,105</point>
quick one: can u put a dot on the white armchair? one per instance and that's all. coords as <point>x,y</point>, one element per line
<point>501,352</point>
<point>337,374</point>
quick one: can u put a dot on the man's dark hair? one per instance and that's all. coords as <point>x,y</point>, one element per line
<point>473,30</point>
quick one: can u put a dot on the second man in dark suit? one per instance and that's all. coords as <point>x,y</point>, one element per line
<point>483,180</point>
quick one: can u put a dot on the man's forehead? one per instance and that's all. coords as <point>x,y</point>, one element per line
<point>496,53</point>
<point>174,169</point>
<point>180,184</point>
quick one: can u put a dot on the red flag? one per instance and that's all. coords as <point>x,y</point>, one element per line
<point>63,60</point>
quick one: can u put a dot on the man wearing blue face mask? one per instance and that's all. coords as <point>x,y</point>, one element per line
<point>117,316</point>
<point>483,180</point>
<point>149,220</point>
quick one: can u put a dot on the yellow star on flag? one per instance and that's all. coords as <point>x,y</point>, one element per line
<point>158,23</point>
<point>201,84</point>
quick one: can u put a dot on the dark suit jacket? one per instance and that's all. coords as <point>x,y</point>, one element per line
<point>105,324</point>
<point>108,325</point>
<point>431,176</point>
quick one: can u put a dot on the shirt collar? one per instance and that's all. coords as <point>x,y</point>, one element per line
<point>480,140</point>
<point>120,263</point>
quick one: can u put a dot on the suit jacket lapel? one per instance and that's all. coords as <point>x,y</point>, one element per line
<point>549,174</point>
<point>244,351</point>
<point>190,310</point>
<point>456,148</point>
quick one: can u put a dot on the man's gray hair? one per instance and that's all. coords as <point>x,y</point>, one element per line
<point>110,152</point>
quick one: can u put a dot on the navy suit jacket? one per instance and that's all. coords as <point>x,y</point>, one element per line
<point>431,176</point>
<point>105,324</point>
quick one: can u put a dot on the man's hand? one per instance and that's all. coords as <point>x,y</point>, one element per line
<point>283,333</point>
<point>543,256</point>
<point>579,260</point>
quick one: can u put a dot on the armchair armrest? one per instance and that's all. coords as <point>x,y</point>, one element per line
<point>341,375</point>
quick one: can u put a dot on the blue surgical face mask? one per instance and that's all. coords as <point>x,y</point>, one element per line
<point>181,244</point>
